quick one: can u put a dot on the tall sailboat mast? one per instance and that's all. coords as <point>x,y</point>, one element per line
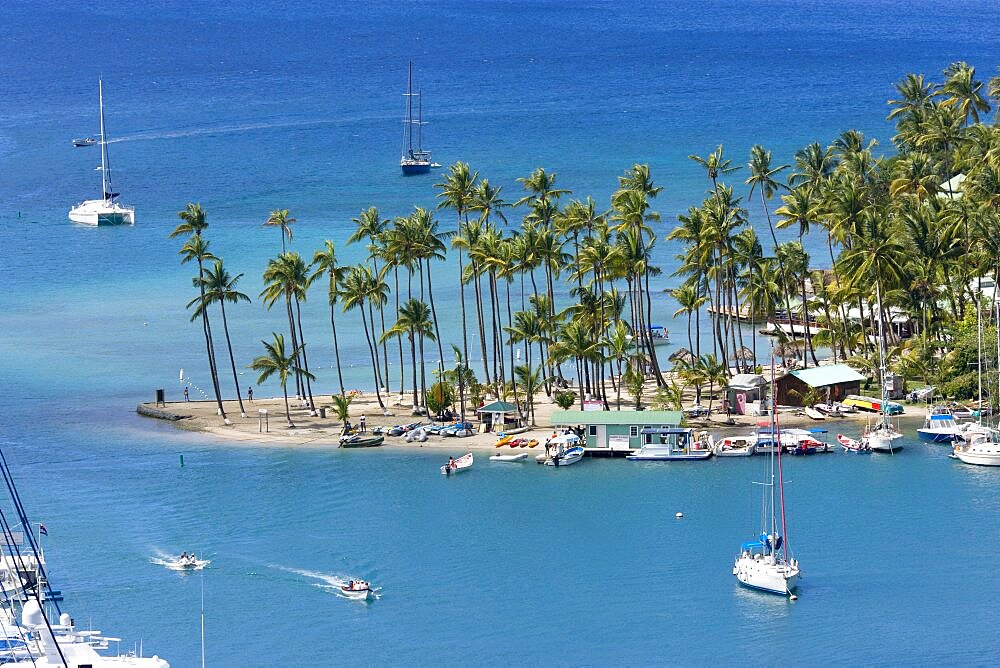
<point>104,146</point>
<point>409,109</point>
<point>881,354</point>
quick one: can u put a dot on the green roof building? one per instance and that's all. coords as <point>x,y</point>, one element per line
<point>612,433</point>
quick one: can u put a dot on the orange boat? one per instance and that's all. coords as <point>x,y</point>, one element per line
<point>504,441</point>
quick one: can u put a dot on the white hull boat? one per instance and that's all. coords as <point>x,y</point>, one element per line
<point>766,563</point>
<point>104,211</point>
<point>883,439</point>
<point>571,456</point>
<point>738,446</point>
<point>463,463</point>
<point>357,590</point>
<point>510,458</point>
<point>674,444</point>
<point>766,573</point>
<point>981,451</point>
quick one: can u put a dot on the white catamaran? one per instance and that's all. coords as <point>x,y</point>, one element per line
<point>765,562</point>
<point>107,210</point>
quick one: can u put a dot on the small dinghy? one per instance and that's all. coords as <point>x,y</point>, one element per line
<point>510,458</point>
<point>736,446</point>
<point>851,445</point>
<point>356,590</point>
<point>463,463</point>
<point>814,414</point>
<point>417,435</point>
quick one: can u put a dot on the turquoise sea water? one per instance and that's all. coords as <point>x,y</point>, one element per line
<point>250,109</point>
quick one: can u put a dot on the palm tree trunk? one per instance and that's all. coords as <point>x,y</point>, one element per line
<point>232,360</point>
<point>207,331</point>
<point>430,297</point>
<point>477,286</point>
<point>284,387</point>
<point>402,367</point>
<point>300,389</point>
<point>385,350</point>
<point>413,360</point>
<point>371,351</point>
<point>305,358</point>
<point>336,350</point>
<point>465,334</point>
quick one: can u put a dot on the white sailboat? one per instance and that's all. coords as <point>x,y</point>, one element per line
<point>107,210</point>
<point>982,444</point>
<point>883,437</point>
<point>765,563</point>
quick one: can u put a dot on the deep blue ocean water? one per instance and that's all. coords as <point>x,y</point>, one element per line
<point>247,109</point>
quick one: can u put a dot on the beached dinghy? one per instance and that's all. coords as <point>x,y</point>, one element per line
<point>463,463</point>
<point>814,414</point>
<point>357,590</point>
<point>357,441</point>
<point>523,456</point>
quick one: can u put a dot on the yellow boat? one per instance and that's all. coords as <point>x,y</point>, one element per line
<point>532,443</point>
<point>504,441</point>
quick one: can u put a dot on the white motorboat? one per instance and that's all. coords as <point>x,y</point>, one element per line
<point>86,141</point>
<point>521,457</point>
<point>674,444</point>
<point>565,457</point>
<point>106,210</point>
<point>736,446</point>
<point>463,463</point>
<point>981,449</point>
<point>765,563</point>
<point>357,590</point>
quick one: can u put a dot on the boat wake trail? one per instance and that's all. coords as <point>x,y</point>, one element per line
<point>172,562</point>
<point>326,581</point>
<point>216,130</point>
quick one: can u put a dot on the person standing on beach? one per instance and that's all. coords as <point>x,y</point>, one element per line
<point>187,397</point>
<point>250,394</point>
<point>364,428</point>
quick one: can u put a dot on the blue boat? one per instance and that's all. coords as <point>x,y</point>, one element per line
<point>939,426</point>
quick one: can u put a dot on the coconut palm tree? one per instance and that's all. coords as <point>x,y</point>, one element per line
<point>416,324</point>
<point>530,380</point>
<point>288,276</point>
<point>282,219</point>
<point>194,222</point>
<point>961,90</point>
<point>219,287</point>
<point>456,193</point>
<point>196,248</point>
<point>325,263</point>
<point>354,294</point>
<point>275,361</point>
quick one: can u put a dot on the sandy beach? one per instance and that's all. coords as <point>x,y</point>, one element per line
<point>202,416</point>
